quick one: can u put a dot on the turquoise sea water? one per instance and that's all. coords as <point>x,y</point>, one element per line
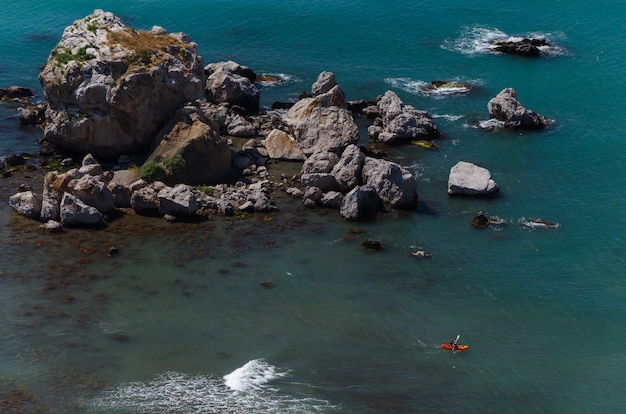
<point>179,321</point>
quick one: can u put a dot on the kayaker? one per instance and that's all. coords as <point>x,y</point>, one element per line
<point>452,344</point>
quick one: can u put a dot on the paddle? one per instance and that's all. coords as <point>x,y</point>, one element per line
<point>455,341</point>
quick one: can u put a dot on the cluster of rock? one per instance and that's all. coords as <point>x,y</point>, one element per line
<point>399,123</point>
<point>84,196</point>
<point>108,96</point>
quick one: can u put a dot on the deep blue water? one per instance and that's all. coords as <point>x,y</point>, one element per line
<point>343,330</point>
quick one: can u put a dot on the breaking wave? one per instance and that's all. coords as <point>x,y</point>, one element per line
<point>478,40</point>
<point>423,88</point>
<point>245,390</point>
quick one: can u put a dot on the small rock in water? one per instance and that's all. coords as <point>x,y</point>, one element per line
<point>373,245</point>
<point>267,285</point>
<point>113,250</point>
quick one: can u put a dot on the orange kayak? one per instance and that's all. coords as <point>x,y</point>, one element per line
<point>456,347</point>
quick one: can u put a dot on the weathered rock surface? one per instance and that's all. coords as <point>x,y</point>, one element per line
<point>317,127</point>
<point>347,171</point>
<point>471,180</point>
<point>361,203</point>
<point>322,161</point>
<point>146,199</point>
<point>506,108</point>
<point>402,123</point>
<point>207,158</point>
<point>325,82</point>
<point>394,184</point>
<point>93,192</point>
<point>26,203</point>
<point>280,145</point>
<point>76,213</point>
<point>109,87</point>
<point>178,201</point>
<point>231,83</point>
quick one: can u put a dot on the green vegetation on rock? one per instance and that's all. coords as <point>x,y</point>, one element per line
<point>174,164</point>
<point>63,55</point>
<point>152,171</point>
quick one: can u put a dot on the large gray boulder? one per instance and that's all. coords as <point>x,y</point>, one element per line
<point>192,135</point>
<point>323,181</point>
<point>325,82</point>
<point>93,192</point>
<point>110,87</point>
<point>402,123</point>
<point>178,201</point>
<point>321,161</point>
<point>229,82</point>
<point>26,203</point>
<point>319,127</point>
<point>76,213</point>
<point>468,179</point>
<point>506,108</point>
<point>145,200</point>
<point>361,203</point>
<point>394,184</point>
<point>347,171</point>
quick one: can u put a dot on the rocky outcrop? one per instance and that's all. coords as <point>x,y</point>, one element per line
<point>360,204</point>
<point>76,213</point>
<point>327,178</point>
<point>178,201</point>
<point>523,47</point>
<point>324,83</point>
<point>322,161</point>
<point>205,155</point>
<point>110,87</point>
<point>93,192</point>
<point>394,184</point>
<point>322,123</point>
<point>467,179</point>
<point>347,171</point>
<point>401,123</point>
<point>145,200</point>
<point>506,108</point>
<point>231,83</point>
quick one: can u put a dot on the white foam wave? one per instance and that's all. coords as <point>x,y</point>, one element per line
<point>419,87</point>
<point>448,117</point>
<point>243,391</point>
<point>538,223</point>
<point>252,376</point>
<point>406,84</point>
